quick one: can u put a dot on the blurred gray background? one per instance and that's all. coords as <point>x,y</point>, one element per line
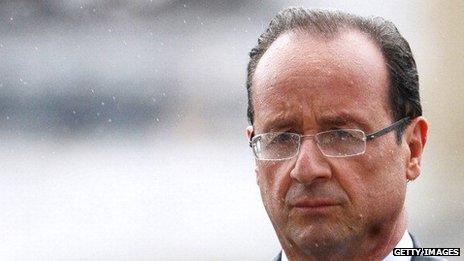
<point>122,127</point>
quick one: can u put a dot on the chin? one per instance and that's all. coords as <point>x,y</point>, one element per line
<point>317,238</point>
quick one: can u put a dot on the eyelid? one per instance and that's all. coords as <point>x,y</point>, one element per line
<point>349,126</point>
<point>292,131</point>
<point>286,130</point>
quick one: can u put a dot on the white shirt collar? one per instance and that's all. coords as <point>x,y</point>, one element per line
<point>405,242</point>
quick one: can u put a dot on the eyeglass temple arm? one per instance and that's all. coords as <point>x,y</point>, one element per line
<point>387,129</point>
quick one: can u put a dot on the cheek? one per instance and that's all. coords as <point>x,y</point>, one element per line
<point>274,181</point>
<point>374,180</point>
<point>388,171</point>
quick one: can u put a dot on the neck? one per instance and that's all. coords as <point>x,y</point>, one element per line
<point>375,245</point>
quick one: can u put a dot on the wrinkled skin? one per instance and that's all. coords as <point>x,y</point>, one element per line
<point>306,84</point>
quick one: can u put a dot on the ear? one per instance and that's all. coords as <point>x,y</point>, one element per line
<point>249,132</point>
<point>416,137</point>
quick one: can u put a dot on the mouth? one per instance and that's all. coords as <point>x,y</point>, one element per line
<point>314,206</point>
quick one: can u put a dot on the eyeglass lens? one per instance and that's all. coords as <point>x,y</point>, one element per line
<point>334,143</point>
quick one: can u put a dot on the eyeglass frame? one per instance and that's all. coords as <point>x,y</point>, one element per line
<point>369,137</point>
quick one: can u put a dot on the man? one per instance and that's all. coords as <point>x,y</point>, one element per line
<point>337,133</point>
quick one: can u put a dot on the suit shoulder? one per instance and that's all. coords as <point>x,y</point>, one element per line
<point>278,257</point>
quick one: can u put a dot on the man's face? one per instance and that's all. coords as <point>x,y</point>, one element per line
<point>308,84</point>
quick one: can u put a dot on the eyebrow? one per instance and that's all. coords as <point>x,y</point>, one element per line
<point>278,124</point>
<point>330,120</point>
<point>341,119</point>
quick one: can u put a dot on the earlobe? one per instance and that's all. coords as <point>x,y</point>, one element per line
<point>249,132</point>
<point>416,138</point>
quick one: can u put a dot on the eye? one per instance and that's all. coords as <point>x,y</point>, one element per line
<point>343,134</point>
<point>340,135</point>
<point>350,136</point>
<point>283,137</point>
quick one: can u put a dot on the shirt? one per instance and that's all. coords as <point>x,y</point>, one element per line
<point>405,242</point>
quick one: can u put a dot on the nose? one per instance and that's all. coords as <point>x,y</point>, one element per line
<point>311,164</point>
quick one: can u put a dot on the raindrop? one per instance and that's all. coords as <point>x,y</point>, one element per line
<point>36,48</point>
<point>21,80</point>
<point>92,90</point>
<point>94,10</point>
<point>124,42</point>
<point>98,114</point>
<point>185,21</point>
<point>102,103</point>
<point>74,112</point>
<point>164,94</point>
<point>185,5</point>
<point>7,117</point>
<point>114,98</point>
<point>109,30</point>
<point>11,18</point>
<point>109,120</point>
<point>157,119</point>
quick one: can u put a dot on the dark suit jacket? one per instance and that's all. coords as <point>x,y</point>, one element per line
<point>415,244</point>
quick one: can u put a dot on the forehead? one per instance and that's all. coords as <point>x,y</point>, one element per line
<point>301,74</point>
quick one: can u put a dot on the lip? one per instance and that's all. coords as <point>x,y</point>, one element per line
<point>314,206</point>
<point>314,203</point>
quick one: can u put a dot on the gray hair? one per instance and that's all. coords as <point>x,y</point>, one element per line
<point>402,70</point>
